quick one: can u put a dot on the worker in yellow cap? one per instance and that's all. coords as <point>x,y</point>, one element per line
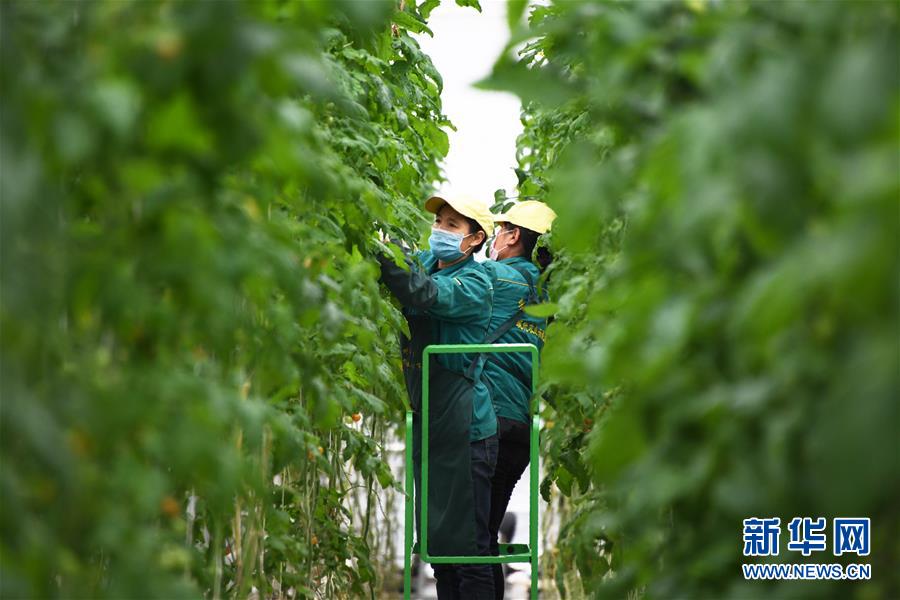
<point>447,298</point>
<point>514,277</point>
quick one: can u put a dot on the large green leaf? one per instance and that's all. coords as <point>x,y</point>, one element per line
<point>411,23</point>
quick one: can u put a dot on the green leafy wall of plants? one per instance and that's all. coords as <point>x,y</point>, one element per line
<point>189,311</point>
<point>726,337</point>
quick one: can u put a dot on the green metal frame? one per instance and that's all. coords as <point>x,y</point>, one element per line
<point>509,553</point>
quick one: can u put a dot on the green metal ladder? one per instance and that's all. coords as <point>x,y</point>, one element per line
<point>509,553</point>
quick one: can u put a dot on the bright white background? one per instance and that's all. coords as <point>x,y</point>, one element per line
<point>483,149</point>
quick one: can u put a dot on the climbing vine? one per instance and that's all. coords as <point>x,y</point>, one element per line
<point>725,338</point>
<point>199,371</point>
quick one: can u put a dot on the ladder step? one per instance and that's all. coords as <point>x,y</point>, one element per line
<point>505,549</point>
<point>514,549</point>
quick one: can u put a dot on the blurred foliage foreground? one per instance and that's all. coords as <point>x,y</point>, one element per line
<point>726,342</point>
<point>198,366</point>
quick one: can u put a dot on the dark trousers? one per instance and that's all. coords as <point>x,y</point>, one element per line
<point>474,582</point>
<point>512,458</point>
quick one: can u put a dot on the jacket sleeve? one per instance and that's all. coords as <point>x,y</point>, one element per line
<point>467,296</point>
<point>413,288</point>
<point>463,297</point>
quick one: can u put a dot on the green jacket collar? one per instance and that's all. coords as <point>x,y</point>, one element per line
<point>451,269</point>
<point>522,263</point>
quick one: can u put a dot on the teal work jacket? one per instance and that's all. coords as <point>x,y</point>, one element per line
<point>509,374</point>
<point>458,302</point>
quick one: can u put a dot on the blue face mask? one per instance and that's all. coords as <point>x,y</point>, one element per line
<point>445,244</point>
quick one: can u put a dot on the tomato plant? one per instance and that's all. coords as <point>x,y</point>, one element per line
<point>189,307</point>
<point>725,175</point>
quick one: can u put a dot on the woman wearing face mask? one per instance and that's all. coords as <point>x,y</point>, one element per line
<point>446,298</point>
<point>508,376</point>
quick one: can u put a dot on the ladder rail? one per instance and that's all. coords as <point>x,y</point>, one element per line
<point>532,555</point>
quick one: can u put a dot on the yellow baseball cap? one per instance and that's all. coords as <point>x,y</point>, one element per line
<point>529,214</point>
<point>466,206</point>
